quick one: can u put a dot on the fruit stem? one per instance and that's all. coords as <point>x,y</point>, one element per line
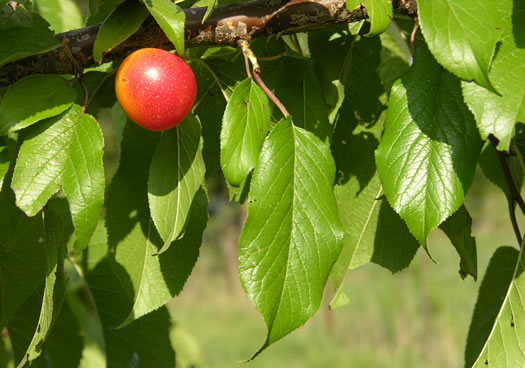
<point>249,55</point>
<point>247,63</point>
<point>270,94</point>
<point>84,89</point>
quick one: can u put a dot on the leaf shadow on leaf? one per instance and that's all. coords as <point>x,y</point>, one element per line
<point>132,237</point>
<point>518,21</point>
<point>177,137</point>
<point>183,253</point>
<point>437,108</point>
<point>348,145</point>
<point>146,339</point>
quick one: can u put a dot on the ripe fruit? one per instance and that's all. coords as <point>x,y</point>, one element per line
<point>155,88</point>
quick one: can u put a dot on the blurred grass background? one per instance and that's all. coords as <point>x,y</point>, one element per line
<point>418,317</point>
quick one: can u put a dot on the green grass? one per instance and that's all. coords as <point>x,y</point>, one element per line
<point>418,317</point>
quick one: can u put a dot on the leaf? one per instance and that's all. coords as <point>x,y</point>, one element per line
<point>171,19</point>
<point>380,13</point>
<point>20,42</point>
<point>21,254</point>
<point>121,23</point>
<point>458,228</point>
<point>100,9</point>
<point>497,332</point>
<point>457,37</point>
<point>42,160</point>
<point>292,235</point>
<point>101,87</point>
<point>427,156</point>
<point>4,163</point>
<point>244,127</point>
<point>146,340</point>
<point>49,96</point>
<point>394,57</point>
<point>292,77</point>
<point>210,113</point>
<point>211,6</point>
<point>373,231</point>
<point>21,17</point>
<point>66,332</point>
<point>175,175</point>
<point>63,15</point>
<point>65,150</point>
<point>150,280</point>
<point>54,285</point>
<point>497,114</point>
<point>83,179</point>
<point>332,50</point>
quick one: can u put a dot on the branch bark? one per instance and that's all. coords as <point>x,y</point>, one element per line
<point>226,25</point>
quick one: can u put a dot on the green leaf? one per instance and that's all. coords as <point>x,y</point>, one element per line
<point>83,178</point>
<point>244,127</point>
<point>211,6</point>
<point>497,332</point>
<point>497,114</point>
<point>146,340</point>
<point>297,86</point>
<point>458,228</point>
<point>394,57</point>
<point>427,156</point>
<point>63,15</point>
<point>292,235</point>
<point>65,150</point>
<point>121,23</point>
<point>54,285</point>
<point>101,87</point>
<point>100,9</point>
<point>21,17</point>
<point>175,175</point>
<point>373,231</point>
<point>21,254</point>
<point>380,13</point>
<point>20,42</point>
<point>42,160</point>
<point>332,50</point>
<point>65,332</point>
<point>171,19</point>
<point>210,113</point>
<point>149,279</point>
<point>49,96</point>
<point>457,37</point>
<point>4,163</point>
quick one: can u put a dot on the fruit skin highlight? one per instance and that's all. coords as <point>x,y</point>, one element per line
<point>155,88</point>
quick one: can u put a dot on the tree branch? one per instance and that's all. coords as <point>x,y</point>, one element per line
<point>226,25</point>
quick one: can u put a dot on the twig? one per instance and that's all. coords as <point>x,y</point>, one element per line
<point>274,57</point>
<point>76,66</point>
<point>513,189</point>
<point>514,221</point>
